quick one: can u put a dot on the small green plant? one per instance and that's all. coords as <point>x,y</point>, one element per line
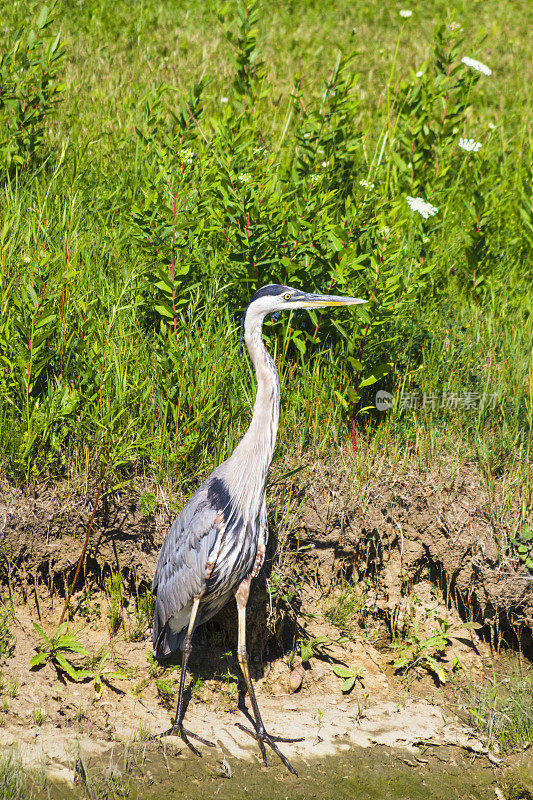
<point>7,640</point>
<point>348,675</point>
<point>141,617</point>
<point>13,689</point>
<point>344,608</point>
<point>147,502</point>
<point>317,646</point>
<point>154,667</point>
<point>524,546</point>
<point>87,606</point>
<point>114,587</point>
<point>165,688</point>
<point>39,715</point>
<point>427,652</point>
<point>196,685</point>
<point>318,717</point>
<point>98,672</point>
<point>55,649</point>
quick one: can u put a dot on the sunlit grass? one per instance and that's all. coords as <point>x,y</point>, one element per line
<point>94,374</point>
<point>502,709</point>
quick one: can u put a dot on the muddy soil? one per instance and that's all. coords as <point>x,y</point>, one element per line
<point>355,773</point>
<point>419,545</point>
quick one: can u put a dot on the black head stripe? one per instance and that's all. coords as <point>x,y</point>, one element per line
<point>272,290</point>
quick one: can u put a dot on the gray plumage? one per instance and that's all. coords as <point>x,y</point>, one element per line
<point>219,538</point>
<point>217,543</point>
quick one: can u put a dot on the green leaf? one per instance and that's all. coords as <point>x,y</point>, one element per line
<point>526,534</point>
<point>41,19</point>
<point>38,659</point>
<point>377,373</point>
<point>343,672</point>
<point>400,663</point>
<point>69,642</point>
<point>40,631</point>
<point>73,673</point>
<point>348,684</point>
<point>306,651</point>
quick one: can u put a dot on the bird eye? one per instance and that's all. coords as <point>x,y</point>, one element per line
<point>287,296</point>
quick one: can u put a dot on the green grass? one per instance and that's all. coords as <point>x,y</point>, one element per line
<point>13,781</point>
<point>117,356</point>
<point>502,709</point>
<point>344,607</point>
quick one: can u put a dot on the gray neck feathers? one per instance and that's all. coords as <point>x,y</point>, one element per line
<point>248,465</point>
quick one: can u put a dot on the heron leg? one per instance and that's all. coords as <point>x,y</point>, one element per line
<point>259,734</point>
<point>177,728</point>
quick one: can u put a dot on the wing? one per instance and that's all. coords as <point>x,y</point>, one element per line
<point>186,561</point>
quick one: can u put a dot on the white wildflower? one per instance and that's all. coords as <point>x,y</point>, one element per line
<point>224,99</point>
<point>424,208</point>
<point>492,126</point>
<point>26,259</point>
<point>406,13</point>
<point>419,73</point>
<point>469,145</point>
<point>471,62</point>
<point>384,231</point>
<point>315,177</point>
<point>244,177</point>
<point>366,184</point>
<point>186,155</point>
<point>454,26</point>
<point>260,151</point>
<point>324,164</point>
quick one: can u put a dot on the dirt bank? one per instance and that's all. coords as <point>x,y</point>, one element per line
<point>414,546</point>
<point>393,526</point>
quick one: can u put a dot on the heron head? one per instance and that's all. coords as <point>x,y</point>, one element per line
<point>275,297</point>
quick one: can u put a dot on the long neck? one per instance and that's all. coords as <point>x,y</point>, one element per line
<point>251,459</point>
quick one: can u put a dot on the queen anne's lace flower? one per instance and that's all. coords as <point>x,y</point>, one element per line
<point>469,145</point>
<point>424,208</point>
<point>406,13</point>
<point>471,62</point>
<point>187,155</point>
<point>244,177</point>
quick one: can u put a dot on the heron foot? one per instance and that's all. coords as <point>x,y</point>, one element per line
<point>262,738</point>
<point>183,733</point>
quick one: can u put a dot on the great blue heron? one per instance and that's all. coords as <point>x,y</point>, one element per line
<point>217,543</point>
